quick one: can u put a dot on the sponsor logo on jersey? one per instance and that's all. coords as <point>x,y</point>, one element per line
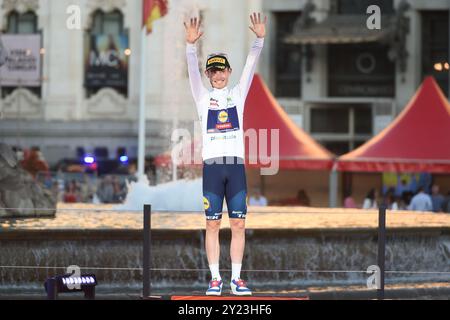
<point>220,121</point>
<point>206,204</point>
<point>238,214</point>
<point>223,116</point>
<point>213,102</point>
<point>215,216</point>
<point>223,137</point>
<point>224,126</point>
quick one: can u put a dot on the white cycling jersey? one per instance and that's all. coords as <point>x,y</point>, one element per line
<point>221,110</point>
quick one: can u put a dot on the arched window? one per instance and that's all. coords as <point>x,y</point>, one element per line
<point>107,53</point>
<point>24,23</point>
<point>107,23</point>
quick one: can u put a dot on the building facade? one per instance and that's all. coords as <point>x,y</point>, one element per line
<point>341,81</point>
<point>342,89</point>
<point>74,108</point>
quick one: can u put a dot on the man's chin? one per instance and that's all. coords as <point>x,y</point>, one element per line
<point>219,87</point>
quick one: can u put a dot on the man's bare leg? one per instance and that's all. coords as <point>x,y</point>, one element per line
<point>212,244</point>
<point>238,286</point>
<point>237,243</point>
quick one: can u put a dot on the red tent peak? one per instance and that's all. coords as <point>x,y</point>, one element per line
<point>417,138</point>
<point>262,111</point>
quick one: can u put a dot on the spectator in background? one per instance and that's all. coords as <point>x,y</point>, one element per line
<point>425,180</point>
<point>421,201</point>
<point>86,189</point>
<point>105,191</point>
<point>20,154</point>
<point>72,192</point>
<point>48,181</point>
<point>119,190</point>
<point>61,185</point>
<point>55,191</point>
<point>402,188</point>
<point>406,198</point>
<point>392,202</point>
<point>257,199</point>
<point>303,198</point>
<point>349,202</point>
<point>403,193</point>
<point>371,200</point>
<point>34,162</point>
<point>437,199</point>
<point>132,172</point>
<point>447,205</point>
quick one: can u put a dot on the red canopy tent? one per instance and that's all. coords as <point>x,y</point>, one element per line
<point>297,150</point>
<point>418,140</point>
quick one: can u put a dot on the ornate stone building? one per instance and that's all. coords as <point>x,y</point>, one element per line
<point>333,77</point>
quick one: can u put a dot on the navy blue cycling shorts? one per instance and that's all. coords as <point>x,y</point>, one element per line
<point>224,177</point>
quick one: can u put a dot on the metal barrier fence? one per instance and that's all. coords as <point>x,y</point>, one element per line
<point>147,254</point>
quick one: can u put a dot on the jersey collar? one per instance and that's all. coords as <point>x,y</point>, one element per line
<point>223,90</point>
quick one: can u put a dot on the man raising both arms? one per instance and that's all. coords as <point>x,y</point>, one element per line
<point>221,111</point>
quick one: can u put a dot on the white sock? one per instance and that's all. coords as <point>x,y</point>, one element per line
<point>215,271</point>
<point>236,271</point>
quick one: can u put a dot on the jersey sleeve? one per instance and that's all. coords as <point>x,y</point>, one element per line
<point>195,78</point>
<point>250,67</point>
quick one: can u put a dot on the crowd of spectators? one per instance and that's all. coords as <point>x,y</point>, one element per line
<point>418,200</point>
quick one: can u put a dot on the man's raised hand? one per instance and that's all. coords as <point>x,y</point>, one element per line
<point>193,30</point>
<point>258,26</point>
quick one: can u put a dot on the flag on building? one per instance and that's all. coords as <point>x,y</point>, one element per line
<point>153,10</point>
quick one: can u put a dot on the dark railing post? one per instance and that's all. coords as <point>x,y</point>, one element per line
<point>381,248</point>
<point>146,290</point>
<point>51,288</point>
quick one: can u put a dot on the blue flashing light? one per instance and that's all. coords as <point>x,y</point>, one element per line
<point>89,159</point>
